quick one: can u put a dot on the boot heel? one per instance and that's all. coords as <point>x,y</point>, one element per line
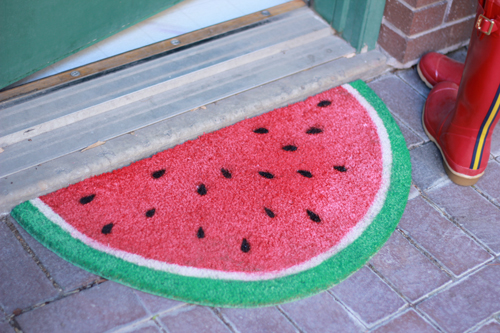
<point>455,177</point>
<point>459,180</point>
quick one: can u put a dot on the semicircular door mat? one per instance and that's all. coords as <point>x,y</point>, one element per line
<point>269,210</point>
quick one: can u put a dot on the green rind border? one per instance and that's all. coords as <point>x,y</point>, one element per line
<point>233,293</point>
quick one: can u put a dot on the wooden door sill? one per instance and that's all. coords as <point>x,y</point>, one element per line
<point>148,52</point>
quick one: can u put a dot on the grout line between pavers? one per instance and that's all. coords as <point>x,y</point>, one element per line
<point>129,327</point>
<point>61,296</point>
<point>396,315</point>
<point>142,303</point>
<point>175,308</point>
<point>159,325</point>
<point>15,325</point>
<point>31,253</point>
<point>294,324</point>
<point>477,326</point>
<point>450,218</point>
<point>438,263</point>
<point>225,320</point>
<point>428,319</point>
<point>486,196</point>
<point>412,304</point>
<point>350,312</point>
<point>409,83</point>
<point>429,256</point>
<point>409,128</point>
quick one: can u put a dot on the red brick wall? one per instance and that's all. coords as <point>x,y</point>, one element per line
<point>411,28</point>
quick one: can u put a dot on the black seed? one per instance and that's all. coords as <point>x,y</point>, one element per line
<point>267,175</point>
<point>323,104</point>
<point>269,212</point>
<point>107,228</point>
<point>245,246</point>
<point>87,199</point>
<point>261,130</point>
<point>202,190</point>
<point>158,174</point>
<point>314,130</point>
<point>290,148</point>
<point>313,216</point>
<point>305,173</point>
<point>200,233</point>
<point>340,168</point>
<point>226,173</point>
<point>151,212</point>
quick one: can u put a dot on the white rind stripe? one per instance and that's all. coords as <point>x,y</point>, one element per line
<point>350,237</point>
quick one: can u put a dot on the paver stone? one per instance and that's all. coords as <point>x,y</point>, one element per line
<point>321,313</point>
<point>97,309</point>
<point>402,100</point>
<point>156,304</point>
<point>67,275</point>
<point>196,319</point>
<point>472,211</point>
<point>413,274</point>
<point>427,168</point>
<point>410,321</point>
<point>467,303</point>
<point>489,183</point>
<point>22,282</point>
<point>440,237</point>
<point>368,296</point>
<point>268,319</point>
<point>491,327</point>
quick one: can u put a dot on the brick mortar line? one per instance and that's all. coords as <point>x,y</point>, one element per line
<point>412,305</point>
<point>423,33</point>
<point>419,9</point>
<point>452,220</point>
<point>350,312</point>
<point>294,324</point>
<point>446,12</point>
<point>31,253</point>
<point>226,321</point>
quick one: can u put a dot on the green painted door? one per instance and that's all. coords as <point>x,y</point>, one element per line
<point>37,33</point>
<point>357,21</point>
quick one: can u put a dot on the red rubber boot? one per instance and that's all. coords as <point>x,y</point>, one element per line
<point>435,67</point>
<point>460,120</point>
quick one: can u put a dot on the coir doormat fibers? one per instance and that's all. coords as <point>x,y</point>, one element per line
<point>269,210</point>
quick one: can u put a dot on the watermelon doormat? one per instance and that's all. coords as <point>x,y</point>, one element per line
<point>269,210</point>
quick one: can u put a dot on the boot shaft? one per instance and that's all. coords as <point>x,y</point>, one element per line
<point>478,102</point>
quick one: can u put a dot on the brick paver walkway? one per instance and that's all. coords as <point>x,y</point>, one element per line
<point>440,270</point>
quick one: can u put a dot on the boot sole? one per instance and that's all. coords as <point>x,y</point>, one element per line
<point>456,177</point>
<point>423,78</point>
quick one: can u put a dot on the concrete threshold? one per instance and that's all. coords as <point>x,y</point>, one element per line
<point>122,150</point>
